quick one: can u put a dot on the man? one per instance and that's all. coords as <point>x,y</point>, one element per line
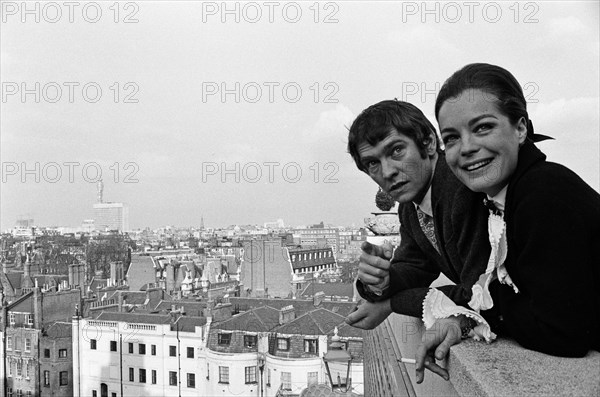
<point>443,224</point>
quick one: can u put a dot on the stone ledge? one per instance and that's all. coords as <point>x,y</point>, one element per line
<point>503,368</point>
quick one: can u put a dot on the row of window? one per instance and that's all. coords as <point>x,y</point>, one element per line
<point>18,369</point>
<point>62,353</point>
<point>224,338</point>
<point>63,378</point>
<point>250,374</point>
<point>283,344</point>
<point>12,318</point>
<point>142,377</point>
<point>314,268</point>
<point>142,348</point>
<point>19,392</point>
<point>286,379</point>
<point>17,343</point>
<point>309,256</point>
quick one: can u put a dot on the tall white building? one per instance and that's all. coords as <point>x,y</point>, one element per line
<point>111,216</point>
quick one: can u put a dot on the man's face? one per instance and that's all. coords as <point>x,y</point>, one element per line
<point>398,167</point>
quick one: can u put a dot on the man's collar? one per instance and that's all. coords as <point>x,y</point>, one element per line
<point>425,204</point>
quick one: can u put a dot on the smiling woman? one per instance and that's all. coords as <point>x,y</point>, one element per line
<point>482,144</point>
<point>540,285</point>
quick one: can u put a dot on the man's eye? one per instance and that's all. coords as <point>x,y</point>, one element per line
<point>398,150</point>
<point>371,166</point>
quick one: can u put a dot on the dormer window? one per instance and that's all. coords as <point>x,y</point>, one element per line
<point>224,339</point>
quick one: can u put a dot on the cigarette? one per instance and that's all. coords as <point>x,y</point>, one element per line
<point>408,360</point>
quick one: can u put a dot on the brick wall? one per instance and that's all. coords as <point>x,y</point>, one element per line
<point>265,266</point>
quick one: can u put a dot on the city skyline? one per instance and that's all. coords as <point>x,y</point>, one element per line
<point>189,110</point>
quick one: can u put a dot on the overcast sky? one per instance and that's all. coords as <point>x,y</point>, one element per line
<point>188,94</point>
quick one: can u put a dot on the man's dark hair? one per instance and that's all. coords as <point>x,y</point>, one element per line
<point>375,123</point>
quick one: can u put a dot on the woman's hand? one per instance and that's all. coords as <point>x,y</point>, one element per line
<point>444,334</point>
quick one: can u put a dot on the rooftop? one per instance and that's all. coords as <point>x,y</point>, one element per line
<point>135,318</point>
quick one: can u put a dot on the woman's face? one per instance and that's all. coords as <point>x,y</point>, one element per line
<point>482,145</point>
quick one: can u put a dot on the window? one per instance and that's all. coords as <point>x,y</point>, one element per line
<point>130,345</point>
<point>286,380</point>
<point>9,344</point>
<point>153,376</point>
<point>283,344</point>
<point>27,344</point>
<point>310,346</point>
<point>142,348</point>
<point>19,368</point>
<point>94,393</point>
<point>355,345</point>
<point>64,378</point>
<point>19,392</point>
<point>142,375</point>
<point>191,380</point>
<point>26,370</point>
<point>9,369</point>
<point>250,340</point>
<point>250,373</point>
<point>190,352</point>
<point>313,378</point>
<point>30,319</point>
<point>93,344</point>
<point>153,350</point>
<point>223,374</point>
<point>224,339</point>
<point>172,351</point>
<point>131,376</point>
<point>46,353</point>
<point>11,318</point>
<point>172,378</point>
<point>113,345</point>
<point>9,391</point>
<point>28,393</point>
<point>113,394</point>
<point>46,378</point>
<point>62,353</point>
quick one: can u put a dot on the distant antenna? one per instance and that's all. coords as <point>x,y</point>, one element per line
<point>202,223</point>
<point>100,188</point>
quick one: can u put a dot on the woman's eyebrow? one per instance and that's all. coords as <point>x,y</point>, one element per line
<point>476,119</point>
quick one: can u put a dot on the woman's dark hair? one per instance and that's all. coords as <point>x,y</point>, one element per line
<point>492,80</point>
<point>375,123</point>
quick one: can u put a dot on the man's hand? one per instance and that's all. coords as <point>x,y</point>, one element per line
<point>444,334</point>
<point>373,269</point>
<point>369,315</point>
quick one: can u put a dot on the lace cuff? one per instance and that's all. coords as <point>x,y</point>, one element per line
<point>437,306</point>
